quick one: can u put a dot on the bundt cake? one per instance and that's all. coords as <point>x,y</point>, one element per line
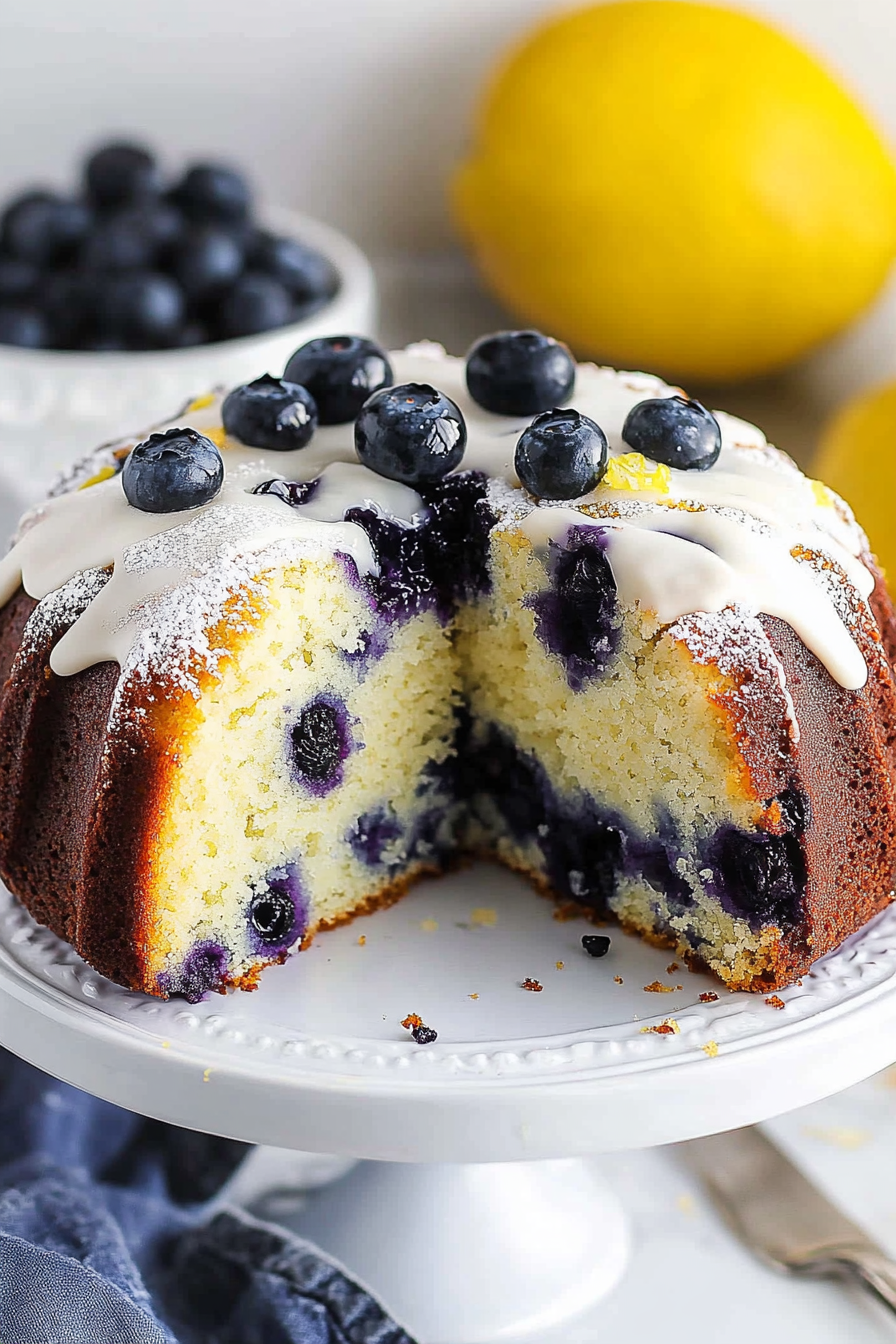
<point>336,629</point>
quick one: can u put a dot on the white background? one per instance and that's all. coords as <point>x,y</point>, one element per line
<point>353,109</point>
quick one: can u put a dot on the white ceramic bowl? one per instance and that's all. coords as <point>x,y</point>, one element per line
<point>55,404</point>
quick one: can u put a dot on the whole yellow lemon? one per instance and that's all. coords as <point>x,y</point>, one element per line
<point>676,186</point>
<point>857,457</point>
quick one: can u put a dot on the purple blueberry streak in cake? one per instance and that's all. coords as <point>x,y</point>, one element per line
<point>202,970</point>
<point>588,849</point>
<point>577,617</point>
<point>432,565</point>
<point>372,834</point>
<point>293,493</point>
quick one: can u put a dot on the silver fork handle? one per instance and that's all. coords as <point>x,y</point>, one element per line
<point>864,1265</point>
<point>877,1271</point>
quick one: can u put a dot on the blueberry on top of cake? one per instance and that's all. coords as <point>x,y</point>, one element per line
<point>322,632</point>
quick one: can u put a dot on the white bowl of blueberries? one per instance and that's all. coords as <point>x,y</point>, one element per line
<point>128,297</point>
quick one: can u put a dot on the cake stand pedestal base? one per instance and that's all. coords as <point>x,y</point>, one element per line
<point>529,1085</point>
<point>474,1253</point>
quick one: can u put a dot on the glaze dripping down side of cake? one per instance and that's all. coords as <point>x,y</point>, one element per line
<point>669,703</point>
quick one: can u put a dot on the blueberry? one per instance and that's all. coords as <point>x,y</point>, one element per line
<point>561,455</point>
<point>270,413</point>
<point>164,223</point>
<point>764,876</point>
<point>119,242</point>
<point>213,193</point>
<point>272,914</point>
<point>190,334</point>
<point>340,372</point>
<point>72,220</point>
<point>68,299</point>
<point>520,373</point>
<point>424,1035</point>
<point>308,275</point>
<point>596,944</point>
<point>675,431</point>
<point>24,326</point>
<point>18,279</point>
<point>319,743</point>
<point>796,810</point>
<point>410,433</point>
<point>293,493</point>
<point>145,308</point>
<point>42,228</point>
<point>169,472</point>
<point>255,303</point>
<point>102,343</point>
<point>119,173</point>
<point>206,262</point>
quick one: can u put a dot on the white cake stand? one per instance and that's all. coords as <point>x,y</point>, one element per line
<point>463,1247</point>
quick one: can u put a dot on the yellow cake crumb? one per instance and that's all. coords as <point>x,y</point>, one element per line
<point>656,987</point>
<point>200,403</point>
<point>362,939</point>
<point>429,925</point>
<point>710,1049</point>
<point>559,965</point>
<point>472,996</point>
<point>484,917</point>
<point>667,1028</point>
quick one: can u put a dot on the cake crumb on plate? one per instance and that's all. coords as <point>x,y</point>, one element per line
<point>668,1028</point>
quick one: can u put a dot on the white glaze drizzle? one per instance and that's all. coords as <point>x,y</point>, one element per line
<point>152,553</point>
<point>747,515</point>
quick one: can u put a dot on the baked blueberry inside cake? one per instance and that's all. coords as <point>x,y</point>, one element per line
<point>268,665</point>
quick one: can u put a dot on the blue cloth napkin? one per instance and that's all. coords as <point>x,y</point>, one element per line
<point>104,1237</point>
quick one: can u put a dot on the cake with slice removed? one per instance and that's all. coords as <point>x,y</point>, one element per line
<point>332,631</point>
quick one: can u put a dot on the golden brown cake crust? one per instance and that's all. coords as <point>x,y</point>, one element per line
<point>74,800</point>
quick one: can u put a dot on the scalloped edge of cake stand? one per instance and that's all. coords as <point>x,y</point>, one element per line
<point>568,1094</point>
